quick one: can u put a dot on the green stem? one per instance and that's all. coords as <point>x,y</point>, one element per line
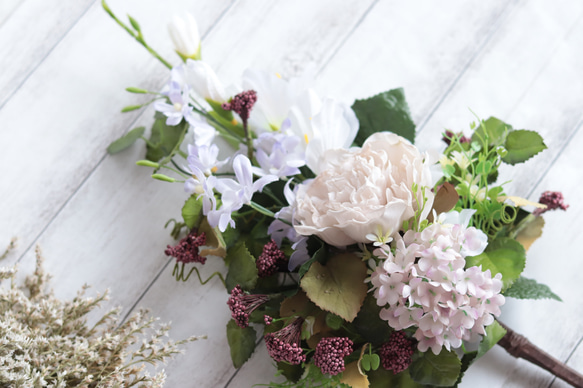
<point>179,274</point>
<point>137,35</point>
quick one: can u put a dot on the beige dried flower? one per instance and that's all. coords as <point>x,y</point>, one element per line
<point>46,342</point>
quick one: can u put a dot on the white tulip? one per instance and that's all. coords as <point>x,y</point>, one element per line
<point>184,34</point>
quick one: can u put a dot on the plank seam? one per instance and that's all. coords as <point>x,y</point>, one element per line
<point>11,13</point>
<point>567,360</point>
<point>237,371</point>
<point>35,68</point>
<point>343,42</point>
<point>145,291</point>
<point>501,19</point>
<point>104,155</point>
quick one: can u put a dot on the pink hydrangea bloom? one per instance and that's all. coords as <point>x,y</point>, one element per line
<point>422,283</point>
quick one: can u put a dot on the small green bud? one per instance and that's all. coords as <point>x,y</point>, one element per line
<point>148,163</point>
<point>132,89</point>
<point>165,178</point>
<point>501,151</point>
<point>134,23</point>
<point>130,108</point>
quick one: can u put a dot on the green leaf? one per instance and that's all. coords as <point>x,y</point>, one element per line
<point>375,361</point>
<point>369,324</point>
<point>337,287</point>
<point>242,269</point>
<point>494,333</point>
<point>441,370</point>
<point>192,212</point>
<point>492,132</point>
<point>503,255</point>
<point>467,360</point>
<point>524,288</point>
<point>134,23</point>
<point>382,378</point>
<point>320,255</point>
<point>333,321</point>
<point>164,139</point>
<point>522,145</point>
<point>125,141</point>
<point>241,342</point>
<point>386,111</point>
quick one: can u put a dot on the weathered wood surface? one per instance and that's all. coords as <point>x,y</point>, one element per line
<point>99,219</point>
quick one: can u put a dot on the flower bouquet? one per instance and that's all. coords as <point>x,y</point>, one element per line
<point>364,261</point>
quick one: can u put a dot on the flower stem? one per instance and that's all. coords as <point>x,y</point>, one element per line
<point>520,347</point>
<point>137,35</point>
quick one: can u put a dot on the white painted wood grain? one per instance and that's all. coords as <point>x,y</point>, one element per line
<point>56,127</point>
<point>104,216</point>
<point>7,7</point>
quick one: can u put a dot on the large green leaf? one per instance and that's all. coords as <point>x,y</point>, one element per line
<point>164,139</point>
<point>369,324</point>
<point>382,378</point>
<point>503,255</point>
<point>192,212</point>
<point>386,111</point>
<point>524,288</point>
<point>242,268</point>
<point>441,370</point>
<point>241,342</point>
<point>125,141</point>
<point>522,145</point>
<point>337,287</point>
<point>491,132</point>
<point>494,333</point>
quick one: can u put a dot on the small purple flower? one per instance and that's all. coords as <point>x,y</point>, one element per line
<point>242,305</point>
<point>330,353</point>
<point>396,354</point>
<point>270,259</point>
<point>236,193</point>
<point>186,251</point>
<point>278,154</point>
<point>553,200</point>
<point>242,104</point>
<point>178,107</point>
<point>284,345</point>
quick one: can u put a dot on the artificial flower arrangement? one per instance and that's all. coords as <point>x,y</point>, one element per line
<point>364,261</point>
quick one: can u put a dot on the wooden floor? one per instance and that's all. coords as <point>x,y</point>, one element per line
<point>100,219</point>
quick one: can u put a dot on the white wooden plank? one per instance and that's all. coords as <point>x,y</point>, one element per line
<point>31,32</point>
<point>61,120</point>
<point>7,7</point>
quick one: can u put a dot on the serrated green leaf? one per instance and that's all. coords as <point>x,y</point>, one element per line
<point>467,360</point>
<point>337,287</point>
<point>125,141</point>
<point>492,132</point>
<point>441,370</point>
<point>494,333</point>
<point>241,342</point>
<point>369,324</point>
<point>242,268</point>
<point>386,111</point>
<point>524,288</point>
<point>192,212</point>
<point>503,255</point>
<point>164,139</point>
<point>319,255</point>
<point>522,145</point>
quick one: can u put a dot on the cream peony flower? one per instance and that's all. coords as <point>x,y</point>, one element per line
<point>365,191</point>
